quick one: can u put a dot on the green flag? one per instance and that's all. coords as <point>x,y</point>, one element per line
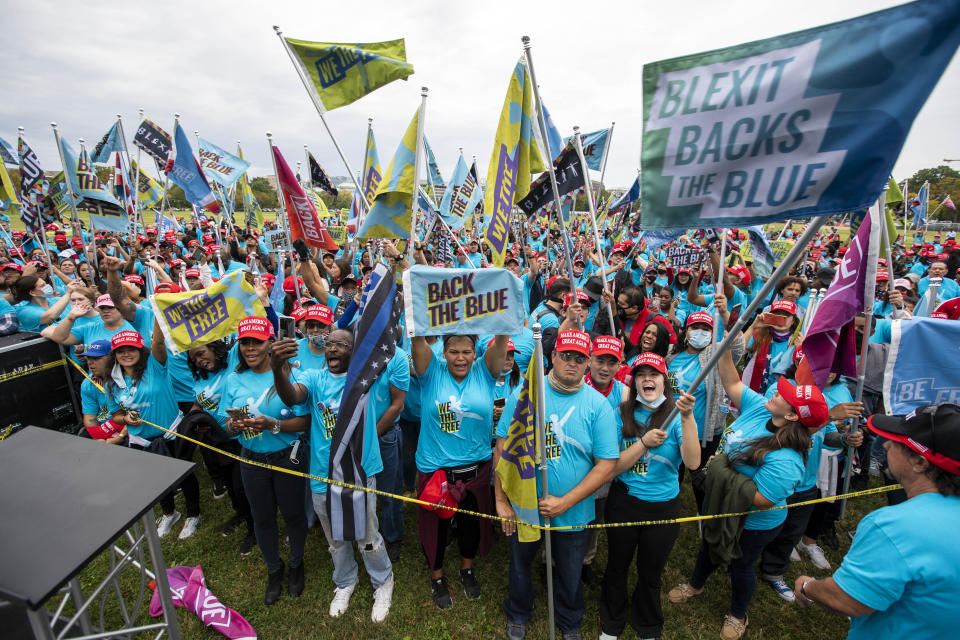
<point>343,73</point>
<point>894,194</point>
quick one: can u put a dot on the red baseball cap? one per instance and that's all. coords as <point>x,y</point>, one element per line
<point>15,266</point>
<point>949,310</point>
<point>167,287</point>
<point>193,243</point>
<point>806,400</point>
<point>152,230</point>
<point>883,274</point>
<point>321,313</point>
<point>288,286</point>
<point>133,278</point>
<point>741,272</point>
<point>176,262</point>
<point>191,273</point>
<point>651,359</point>
<point>170,235</point>
<point>77,242</point>
<point>212,249</point>
<point>608,345</point>
<point>207,238</point>
<point>581,298</point>
<point>59,238</point>
<point>784,305</point>
<point>126,339</point>
<point>268,279</point>
<point>103,431</point>
<point>510,345</point>
<point>699,316</point>
<point>255,327</point>
<point>298,313</point>
<point>573,340</point>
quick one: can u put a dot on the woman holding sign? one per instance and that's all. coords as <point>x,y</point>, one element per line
<point>454,447</point>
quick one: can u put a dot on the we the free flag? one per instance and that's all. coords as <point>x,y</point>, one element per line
<point>804,124</point>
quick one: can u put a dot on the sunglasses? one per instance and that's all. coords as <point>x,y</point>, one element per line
<point>568,356</point>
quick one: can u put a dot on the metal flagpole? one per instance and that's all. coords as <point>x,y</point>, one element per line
<point>541,121</point>
<point>321,110</point>
<point>603,164</point>
<point>593,217</point>
<point>906,208</point>
<point>166,180</point>
<point>783,229</point>
<point>66,178</point>
<point>717,287</point>
<point>138,209</point>
<point>283,217</point>
<point>541,453</point>
<point>418,150</point>
<point>126,152</point>
<point>729,335</point>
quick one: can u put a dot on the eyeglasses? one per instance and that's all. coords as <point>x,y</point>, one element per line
<point>338,344</point>
<point>567,356</point>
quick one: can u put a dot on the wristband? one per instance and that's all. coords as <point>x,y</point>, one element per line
<point>104,430</point>
<point>803,590</point>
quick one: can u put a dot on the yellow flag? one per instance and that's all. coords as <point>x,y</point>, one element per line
<point>7,184</point>
<point>390,212</point>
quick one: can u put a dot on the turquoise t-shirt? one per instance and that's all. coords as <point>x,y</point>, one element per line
<point>180,377</point>
<point>905,563</point>
<point>307,359</point>
<point>580,428</point>
<point>255,393</point>
<point>396,374</point>
<point>29,315</point>
<point>681,372</point>
<point>654,477</point>
<point>207,392</point>
<point>94,402</point>
<point>152,396</point>
<point>834,394</point>
<point>455,417</point>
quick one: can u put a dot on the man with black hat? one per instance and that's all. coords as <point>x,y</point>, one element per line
<point>901,577</point>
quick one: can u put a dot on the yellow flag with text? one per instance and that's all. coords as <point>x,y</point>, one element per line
<point>390,211</point>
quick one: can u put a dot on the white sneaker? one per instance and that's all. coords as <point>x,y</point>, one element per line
<point>794,556</point>
<point>816,555</point>
<point>165,526</point>
<point>190,526</point>
<point>382,598</point>
<point>341,600</point>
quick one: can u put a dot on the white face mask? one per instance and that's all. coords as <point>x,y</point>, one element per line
<point>47,290</point>
<point>698,338</point>
<point>653,404</point>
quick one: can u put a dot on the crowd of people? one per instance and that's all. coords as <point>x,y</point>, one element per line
<point>621,346</point>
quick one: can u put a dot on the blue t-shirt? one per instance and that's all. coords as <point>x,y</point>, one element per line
<point>455,417</point>
<point>180,377</point>
<point>307,359</point>
<point>681,372</point>
<point>580,428</point>
<point>781,471</point>
<point>89,330</point>
<point>905,563</point>
<point>547,317</point>
<point>654,477</point>
<point>94,402</point>
<point>152,396</point>
<point>29,315</point>
<point>396,374</point>
<point>255,393</point>
<point>208,391</point>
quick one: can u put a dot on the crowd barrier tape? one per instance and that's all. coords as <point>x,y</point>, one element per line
<point>495,518</point>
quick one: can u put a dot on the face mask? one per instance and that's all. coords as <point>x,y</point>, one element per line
<point>783,334</point>
<point>318,342</point>
<point>654,404</point>
<point>698,338</point>
<point>47,290</point>
<point>651,277</point>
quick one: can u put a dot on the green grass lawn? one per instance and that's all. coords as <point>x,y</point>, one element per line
<point>239,583</point>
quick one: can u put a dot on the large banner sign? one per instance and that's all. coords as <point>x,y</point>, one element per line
<point>803,124</point>
<point>684,256</point>
<point>219,165</point>
<point>923,365</point>
<point>194,318</point>
<point>779,249</point>
<point>439,301</point>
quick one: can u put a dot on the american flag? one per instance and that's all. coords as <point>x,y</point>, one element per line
<point>121,187</point>
<point>374,344</point>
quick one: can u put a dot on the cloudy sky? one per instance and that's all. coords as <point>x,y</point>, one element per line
<point>221,67</point>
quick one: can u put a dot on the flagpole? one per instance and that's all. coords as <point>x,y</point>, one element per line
<point>312,92</point>
<point>603,165</point>
<point>66,175</point>
<point>593,217</point>
<point>138,210</point>
<point>166,180</point>
<point>756,303</point>
<point>418,149</point>
<point>541,121</point>
<point>126,151</point>
<point>542,461</point>
<point>283,217</point>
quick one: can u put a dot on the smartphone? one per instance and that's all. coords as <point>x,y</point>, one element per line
<point>237,414</point>
<point>198,253</point>
<point>774,320</point>
<point>287,327</point>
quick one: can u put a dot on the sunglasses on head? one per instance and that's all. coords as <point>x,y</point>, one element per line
<point>567,356</point>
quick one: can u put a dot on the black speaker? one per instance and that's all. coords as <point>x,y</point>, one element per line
<point>34,385</point>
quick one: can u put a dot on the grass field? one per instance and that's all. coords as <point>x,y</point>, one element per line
<point>239,582</point>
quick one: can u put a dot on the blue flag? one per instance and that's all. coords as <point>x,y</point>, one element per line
<point>917,372</point>
<point>7,154</point>
<point>594,147</point>
<point>433,169</point>
<point>656,239</point>
<point>632,194</point>
<point>799,125</point>
<point>219,165</point>
<point>110,142</point>
<point>919,206</point>
<point>554,140</point>
<point>186,174</point>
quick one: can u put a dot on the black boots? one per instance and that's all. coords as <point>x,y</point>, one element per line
<point>275,583</point>
<point>295,581</point>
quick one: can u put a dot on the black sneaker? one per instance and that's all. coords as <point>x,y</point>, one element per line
<point>393,551</point>
<point>232,524</point>
<point>470,585</point>
<point>829,538</point>
<point>441,593</point>
<point>219,489</point>
<point>274,586</point>
<point>248,544</point>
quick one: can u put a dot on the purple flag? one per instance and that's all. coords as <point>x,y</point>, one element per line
<point>188,587</point>
<point>830,344</point>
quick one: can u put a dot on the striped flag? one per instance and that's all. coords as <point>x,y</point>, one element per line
<point>33,186</point>
<point>121,188</point>
<point>374,344</point>
<point>517,468</point>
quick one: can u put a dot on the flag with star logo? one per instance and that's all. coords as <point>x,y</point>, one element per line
<point>374,344</point>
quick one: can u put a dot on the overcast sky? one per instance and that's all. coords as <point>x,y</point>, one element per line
<point>220,65</point>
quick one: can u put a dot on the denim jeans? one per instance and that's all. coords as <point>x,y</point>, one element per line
<point>269,490</point>
<point>410,436</point>
<point>372,550</point>
<point>775,559</point>
<point>569,548</point>
<point>391,481</point>
<point>743,580</point>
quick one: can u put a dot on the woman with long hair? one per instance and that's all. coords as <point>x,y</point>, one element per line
<point>646,487</point>
<point>771,342</point>
<point>767,443</point>
<point>33,307</point>
<point>268,432</point>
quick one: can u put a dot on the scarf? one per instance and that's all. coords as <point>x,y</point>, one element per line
<point>589,381</point>
<point>757,372</point>
<point>560,387</point>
